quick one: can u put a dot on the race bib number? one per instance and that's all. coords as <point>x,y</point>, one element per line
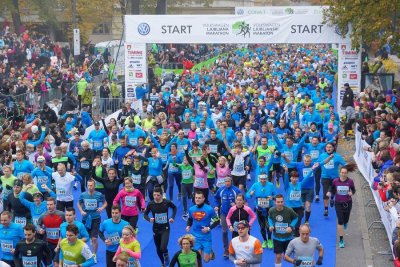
<point>213,148</point>
<point>114,238</point>
<point>35,220</point>
<point>181,148</point>
<point>97,145</point>
<point>199,182</point>
<point>42,179</point>
<point>295,195</point>
<point>67,263</point>
<point>130,201</point>
<point>185,131</point>
<point>52,233</point>
<point>161,218</point>
<point>133,141</point>
<point>20,220</point>
<point>85,165</point>
<point>29,261</point>
<point>280,228</point>
<point>221,182</point>
<point>263,202</point>
<point>314,154</point>
<point>136,178</point>
<point>187,174</point>
<point>289,155</point>
<point>173,168</point>
<point>330,164</point>
<point>239,167</point>
<point>164,157</point>
<point>343,190</point>
<point>7,246</point>
<point>90,204</point>
<point>307,261</point>
<point>61,192</point>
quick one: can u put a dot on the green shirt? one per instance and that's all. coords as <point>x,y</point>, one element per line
<point>187,173</point>
<point>187,260</point>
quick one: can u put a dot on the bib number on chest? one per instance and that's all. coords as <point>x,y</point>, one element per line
<point>280,228</point>
<point>20,220</point>
<point>199,182</point>
<point>160,218</point>
<point>90,204</point>
<point>130,201</point>
<point>263,202</point>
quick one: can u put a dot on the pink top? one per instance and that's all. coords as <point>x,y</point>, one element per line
<point>191,134</point>
<point>200,177</point>
<point>251,213</point>
<point>223,172</point>
<point>128,202</point>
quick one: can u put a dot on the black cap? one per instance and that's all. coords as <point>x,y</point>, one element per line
<point>18,183</point>
<point>97,123</point>
<point>244,223</point>
<point>114,137</point>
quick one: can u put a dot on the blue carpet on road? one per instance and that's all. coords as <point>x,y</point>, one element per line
<point>322,228</point>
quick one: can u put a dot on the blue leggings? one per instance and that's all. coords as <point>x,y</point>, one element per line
<point>178,179</point>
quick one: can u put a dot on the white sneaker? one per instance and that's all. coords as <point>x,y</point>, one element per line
<point>248,177</point>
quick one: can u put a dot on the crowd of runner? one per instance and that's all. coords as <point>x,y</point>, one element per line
<point>249,140</point>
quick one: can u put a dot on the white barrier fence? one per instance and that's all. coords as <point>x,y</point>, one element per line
<point>364,163</point>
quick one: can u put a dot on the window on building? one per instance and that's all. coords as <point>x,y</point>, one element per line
<point>103,28</point>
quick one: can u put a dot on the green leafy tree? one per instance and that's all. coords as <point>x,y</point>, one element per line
<point>371,20</point>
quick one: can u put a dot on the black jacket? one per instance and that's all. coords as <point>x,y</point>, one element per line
<point>348,98</point>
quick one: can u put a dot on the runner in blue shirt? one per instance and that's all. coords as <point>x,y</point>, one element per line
<point>90,208</point>
<point>329,162</point>
<point>111,233</point>
<point>97,137</point>
<point>263,192</point>
<point>42,175</point>
<point>22,166</point>
<point>10,234</point>
<point>70,218</point>
<point>294,191</point>
<point>200,217</point>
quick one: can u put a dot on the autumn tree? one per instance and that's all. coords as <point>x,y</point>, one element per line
<point>370,20</point>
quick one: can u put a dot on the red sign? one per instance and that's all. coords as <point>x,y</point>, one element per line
<point>353,76</point>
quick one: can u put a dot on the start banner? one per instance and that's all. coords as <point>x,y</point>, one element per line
<point>234,29</point>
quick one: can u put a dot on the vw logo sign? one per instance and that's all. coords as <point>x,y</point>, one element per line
<point>339,32</point>
<point>143,29</point>
<point>240,11</point>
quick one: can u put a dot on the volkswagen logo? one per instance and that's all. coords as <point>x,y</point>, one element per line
<point>143,28</point>
<point>240,11</point>
<point>342,33</point>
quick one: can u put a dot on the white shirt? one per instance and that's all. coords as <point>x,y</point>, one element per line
<point>238,164</point>
<point>64,186</point>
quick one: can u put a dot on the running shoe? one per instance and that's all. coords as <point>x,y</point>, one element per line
<point>331,203</point>
<point>137,230</point>
<point>306,222</point>
<point>345,226</point>
<point>317,198</point>
<point>164,195</point>
<point>185,216</point>
<point>212,255</point>
<point>248,177</point>
<point>270,244</point>
<point>166,259</point>
<point>278,183</point>
<point>95,258</point>
<point>341,244</point>
<point>226,254</point>
<point>326,213</point>
<point>264,244</point>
